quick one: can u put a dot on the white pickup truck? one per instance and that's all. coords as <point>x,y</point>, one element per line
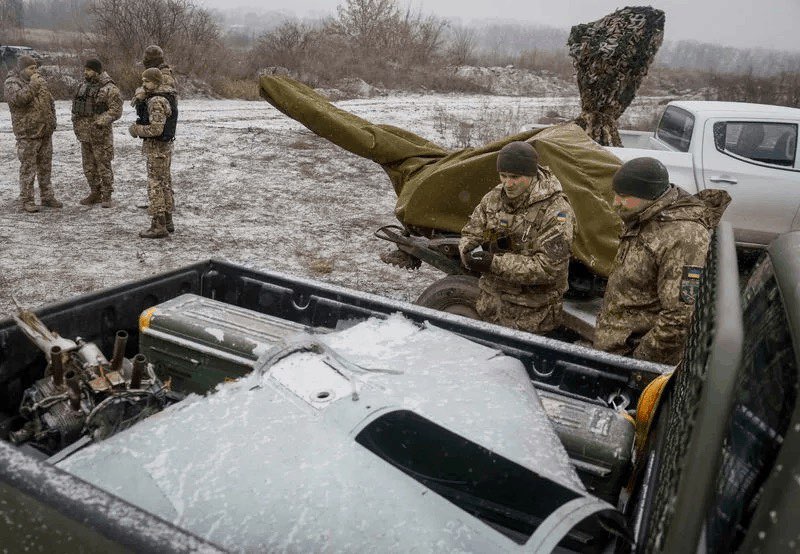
<point>748,150</point>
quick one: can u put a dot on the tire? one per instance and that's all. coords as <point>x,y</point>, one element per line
<point>455,294</point>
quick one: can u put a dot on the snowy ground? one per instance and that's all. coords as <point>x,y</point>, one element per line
<point>251,186</point>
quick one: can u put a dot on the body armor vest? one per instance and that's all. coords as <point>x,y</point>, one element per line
<point>143,117</point>
<point>85,102</point>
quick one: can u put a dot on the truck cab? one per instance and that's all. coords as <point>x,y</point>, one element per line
<point>748,150</point>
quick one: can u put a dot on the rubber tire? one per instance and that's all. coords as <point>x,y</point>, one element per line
<point>455,294</point>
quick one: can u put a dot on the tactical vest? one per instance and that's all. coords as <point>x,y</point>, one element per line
<point>85,102</point>
<point>143,117</point>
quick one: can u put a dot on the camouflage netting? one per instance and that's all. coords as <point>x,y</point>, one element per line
<point>437,188</point>
<point>611,57</point>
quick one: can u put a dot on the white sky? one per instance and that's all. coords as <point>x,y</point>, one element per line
<point>740,23</point>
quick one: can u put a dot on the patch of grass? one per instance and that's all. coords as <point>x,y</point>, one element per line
<point>320,266</point>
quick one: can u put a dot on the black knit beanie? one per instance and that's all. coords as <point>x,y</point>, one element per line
<point>519,158</point>
<point>94,64</point>
<point>645,178</point>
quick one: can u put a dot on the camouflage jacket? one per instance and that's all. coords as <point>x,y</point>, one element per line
<point>531,238</point>
<point>33,113</point>
<point>158,110</point>
<point>168,84</point>
<point>107,101</point>
<point>650,296</point>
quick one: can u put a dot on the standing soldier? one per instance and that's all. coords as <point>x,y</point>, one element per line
<point>97,104</point>
<point>649,300</point>
<point>33,119</point>
<point>526,225</point>
<point>157,117</point>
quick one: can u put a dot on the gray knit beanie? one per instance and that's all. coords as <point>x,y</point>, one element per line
<point>645,178</point>
<point>519,158</point>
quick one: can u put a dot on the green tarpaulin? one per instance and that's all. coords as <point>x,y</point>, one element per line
<point>437,188</point>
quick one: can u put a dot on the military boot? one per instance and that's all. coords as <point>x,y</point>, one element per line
<point>106,201</point>
<point>52,203</point>
<point>168,222</point>
<point>157,230</point>
<point>93,198</point>
<point>30,206</point>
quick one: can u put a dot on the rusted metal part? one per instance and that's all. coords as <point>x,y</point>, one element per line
<point>139,362</point>
<point>120,342</point>
<point>57,366</point>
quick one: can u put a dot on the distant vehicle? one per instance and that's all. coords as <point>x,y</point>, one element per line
<point>748,150</point>
<point>10,54</point>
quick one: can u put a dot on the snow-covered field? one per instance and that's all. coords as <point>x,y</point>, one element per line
<point>251,186</point>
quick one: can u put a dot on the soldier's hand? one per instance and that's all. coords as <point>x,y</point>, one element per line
<point>480,261</point>
<point>138,97</point>
<point>133,131</point>
<point>36,81</point>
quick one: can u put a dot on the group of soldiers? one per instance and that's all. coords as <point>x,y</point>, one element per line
<point>96,105</point>
<point>649,299</point>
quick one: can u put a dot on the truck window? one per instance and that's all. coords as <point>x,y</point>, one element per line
<point>675,128</point>
<point>766,143</point>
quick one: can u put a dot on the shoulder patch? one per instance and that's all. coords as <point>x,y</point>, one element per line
<point>690,283</point>
<point>562,217</point>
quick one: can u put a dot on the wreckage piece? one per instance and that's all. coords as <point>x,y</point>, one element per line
<point>386,436</point>
<point>437,189</point>
<point>611,57</point>
<point>82,395</point>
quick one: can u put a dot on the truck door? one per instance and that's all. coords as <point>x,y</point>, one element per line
<point>756,163</point>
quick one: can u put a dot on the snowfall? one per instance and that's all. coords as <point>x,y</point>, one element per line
<point>252,187</point>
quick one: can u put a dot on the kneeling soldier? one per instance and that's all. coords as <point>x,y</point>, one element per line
<point>525,224</point>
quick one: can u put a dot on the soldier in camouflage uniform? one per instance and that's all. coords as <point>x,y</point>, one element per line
<point>649,300</point>
<point>525,225</point>
<point>33,119</point>
<point>97,104</point>
<point>156,121</point>
<point>154,57</point>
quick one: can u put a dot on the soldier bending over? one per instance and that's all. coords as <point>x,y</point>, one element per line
<point>649,300</point>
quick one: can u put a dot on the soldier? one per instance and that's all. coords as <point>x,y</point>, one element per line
<point>154,57</point>
<point>650,295</point>
<point>97,104</point>
<point>525,225</point>
<point>33,119</point>
<point>157,117</point>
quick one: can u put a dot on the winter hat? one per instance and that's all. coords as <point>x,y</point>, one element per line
<point>26,61</point>
<point>645,178</point>
<point>152,74</point>
<point>94,64</point>
<point>519,158</point>
<point>153,56</point>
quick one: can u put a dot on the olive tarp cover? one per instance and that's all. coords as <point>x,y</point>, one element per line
<point>437,188</point>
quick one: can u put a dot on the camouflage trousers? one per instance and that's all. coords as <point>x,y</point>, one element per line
<point>35,161</point>
<point>159,180</point>
<point>97,158</point>
<point>540,320</point>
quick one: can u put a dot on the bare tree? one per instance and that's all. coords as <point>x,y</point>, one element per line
<point>11,13</point>
<point>462,45</point>
<point>124,28</point>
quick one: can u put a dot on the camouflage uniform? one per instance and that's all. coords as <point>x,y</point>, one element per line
<point>96,106</point>
<point>158,154</point>
<point>531,236</point>
<point>650,295</point>
<point>33,120</point>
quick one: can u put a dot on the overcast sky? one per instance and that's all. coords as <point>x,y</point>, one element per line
<point>740,23</point>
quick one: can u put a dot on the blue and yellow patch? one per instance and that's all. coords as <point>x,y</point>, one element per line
<point>561,217</point>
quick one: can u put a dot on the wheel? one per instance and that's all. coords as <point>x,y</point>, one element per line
<point>455,294</point>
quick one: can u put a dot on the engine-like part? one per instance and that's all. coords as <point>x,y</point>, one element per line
<point>82,393</point>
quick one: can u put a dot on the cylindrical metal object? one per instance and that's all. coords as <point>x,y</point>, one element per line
<point>57,366</point>
<point>74,386</point>
<point>139,363</point>
<point>119,350</point>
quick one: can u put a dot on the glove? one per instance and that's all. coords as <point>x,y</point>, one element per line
<point>36,81</point>
<point>132,130</point>
<point>480,261</point>
<point>138,97</point>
